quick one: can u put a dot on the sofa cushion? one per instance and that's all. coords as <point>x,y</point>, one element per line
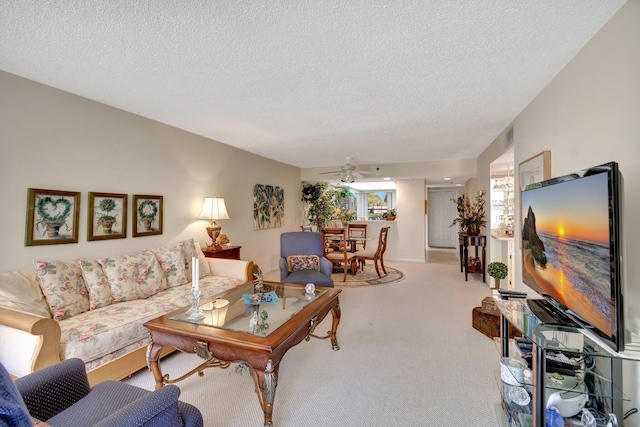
<point>100,332</point>
<point>188,249</point>
<point>303,262</point>
<point>133,276</point>
<point>172,264</point>
<point>20,290</point>
<point>97,284</point>
<point>63,287</point>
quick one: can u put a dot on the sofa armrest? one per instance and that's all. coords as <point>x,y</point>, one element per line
<point>237,269</point>
<point>50,391</point>
<point>326,266</point>
<point>159,407</point>
<point>284,270</point>
<point>35,339</point>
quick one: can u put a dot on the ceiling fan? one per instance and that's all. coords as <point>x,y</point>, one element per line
<point>349,173</point>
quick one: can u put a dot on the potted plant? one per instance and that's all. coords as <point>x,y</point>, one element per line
<point>147,212</point>
<point>470,215</point>
<point>51,222</point>
<point>497,270</point>
<point>106,220</point>
<point>390,215</point>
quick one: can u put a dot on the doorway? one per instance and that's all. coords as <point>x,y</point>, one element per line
<point>440,215</point>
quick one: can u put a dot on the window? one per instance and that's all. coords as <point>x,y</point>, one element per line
<point>373,205</point>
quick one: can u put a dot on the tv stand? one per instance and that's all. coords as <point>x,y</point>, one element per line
<point>601,365</point>
<point>548,314</point>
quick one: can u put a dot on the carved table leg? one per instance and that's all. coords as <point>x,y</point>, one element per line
<point>336,313</point>
<point>266,382</point>
<point>153,362</point>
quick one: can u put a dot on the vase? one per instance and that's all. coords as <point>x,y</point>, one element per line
<point>473,231</point>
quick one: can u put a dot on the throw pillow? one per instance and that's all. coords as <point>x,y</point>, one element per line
<point>172,265</point>
<point>303,262</point>
<point>133,276</point>
<point>63,288</point>
<point>97,284</point>
<point>205,270</point>
<point>188,249</point>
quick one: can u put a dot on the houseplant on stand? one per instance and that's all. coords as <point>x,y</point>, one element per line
<point>470,215</point>
<point>498,270</point>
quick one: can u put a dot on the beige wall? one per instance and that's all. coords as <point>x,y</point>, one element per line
<point>54,140</point>
<point>410,244</point>
<point>588,115</point>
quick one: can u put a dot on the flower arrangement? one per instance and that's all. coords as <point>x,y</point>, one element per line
<point>344,215</point>
<point>470,215</point>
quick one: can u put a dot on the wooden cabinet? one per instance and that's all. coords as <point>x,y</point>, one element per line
<point>229,252</point>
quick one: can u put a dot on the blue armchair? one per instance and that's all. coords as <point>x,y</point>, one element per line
<point>304,243</point>
<point>60,396</point>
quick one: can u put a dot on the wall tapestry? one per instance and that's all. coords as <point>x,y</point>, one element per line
<point>268,207</point>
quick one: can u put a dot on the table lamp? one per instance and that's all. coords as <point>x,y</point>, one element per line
<point>213,209</point>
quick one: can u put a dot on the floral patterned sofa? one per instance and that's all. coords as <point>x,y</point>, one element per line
<point>95,309</point>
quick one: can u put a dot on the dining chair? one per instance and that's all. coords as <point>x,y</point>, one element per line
<point>336,249</point>
<point>359,230</point>
<point>377,255</point>
<point>306,228</point>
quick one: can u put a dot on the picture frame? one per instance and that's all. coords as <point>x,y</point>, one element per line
<point>52,217</point>
<point>147,215</point>
<point>535,169</point>
<point>107,216</point>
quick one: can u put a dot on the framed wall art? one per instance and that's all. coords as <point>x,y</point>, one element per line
<point>268,207</point>
<point>147,215</point>
<point>107,216</point>
<point>52,217</point>
<point>535,169</point>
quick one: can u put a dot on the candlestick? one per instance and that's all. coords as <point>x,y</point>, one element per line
<point>197,275</point>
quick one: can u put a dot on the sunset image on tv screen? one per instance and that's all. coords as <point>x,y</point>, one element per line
<point>566,246</point>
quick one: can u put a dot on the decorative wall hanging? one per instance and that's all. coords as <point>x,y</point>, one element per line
<point>107,216</point>
<point>147,215</point>
<point>535,169</point>
<point>52,217</point>
<point>268,207</point>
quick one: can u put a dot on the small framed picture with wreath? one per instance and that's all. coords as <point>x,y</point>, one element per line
<point>52,217</point>
<point>147,215</point>
<point>107,216</point>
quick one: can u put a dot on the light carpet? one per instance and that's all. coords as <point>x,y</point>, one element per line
<point>408,357</point>
<point>368,277</point>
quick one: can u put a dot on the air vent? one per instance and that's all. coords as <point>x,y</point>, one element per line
<point>508,138</point>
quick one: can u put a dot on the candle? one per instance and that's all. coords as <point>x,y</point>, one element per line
<point>193,272</point>
<point>197,274</point>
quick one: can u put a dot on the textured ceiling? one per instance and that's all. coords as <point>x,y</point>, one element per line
<point>308,82</point>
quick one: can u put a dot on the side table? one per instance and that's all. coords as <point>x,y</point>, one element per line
<point>228,252</point>
<point>479,241</point>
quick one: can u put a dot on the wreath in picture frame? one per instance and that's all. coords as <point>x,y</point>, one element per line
<point>144,213</point>
<point>44,216</point>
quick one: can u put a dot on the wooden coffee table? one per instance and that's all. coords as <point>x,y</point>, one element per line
<point>291,319</point>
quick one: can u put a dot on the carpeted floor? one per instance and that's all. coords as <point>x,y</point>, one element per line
<point>368,277</point>
<point>408,357</point>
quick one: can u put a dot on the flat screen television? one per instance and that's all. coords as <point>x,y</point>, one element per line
<point>571,248</point>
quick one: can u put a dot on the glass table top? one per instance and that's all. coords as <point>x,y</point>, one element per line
<point>253,309</point>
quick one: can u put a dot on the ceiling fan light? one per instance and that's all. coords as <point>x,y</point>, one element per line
<point>347,177</point>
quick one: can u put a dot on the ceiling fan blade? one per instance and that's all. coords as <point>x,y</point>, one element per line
<point>324,173</point>
<point>368,173</point>
<point>357,174</point>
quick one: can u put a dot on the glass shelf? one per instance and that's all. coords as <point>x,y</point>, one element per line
<point>556,338</point>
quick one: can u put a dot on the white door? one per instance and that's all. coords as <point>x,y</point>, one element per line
<point>441,213</point>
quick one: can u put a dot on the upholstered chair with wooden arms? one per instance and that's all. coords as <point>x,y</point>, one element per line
<point>302,259</point>
<point>377,255</point>
<point>59,395</point>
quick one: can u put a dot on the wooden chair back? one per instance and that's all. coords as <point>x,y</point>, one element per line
<point>358,230</point>
<point>306,228</point>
